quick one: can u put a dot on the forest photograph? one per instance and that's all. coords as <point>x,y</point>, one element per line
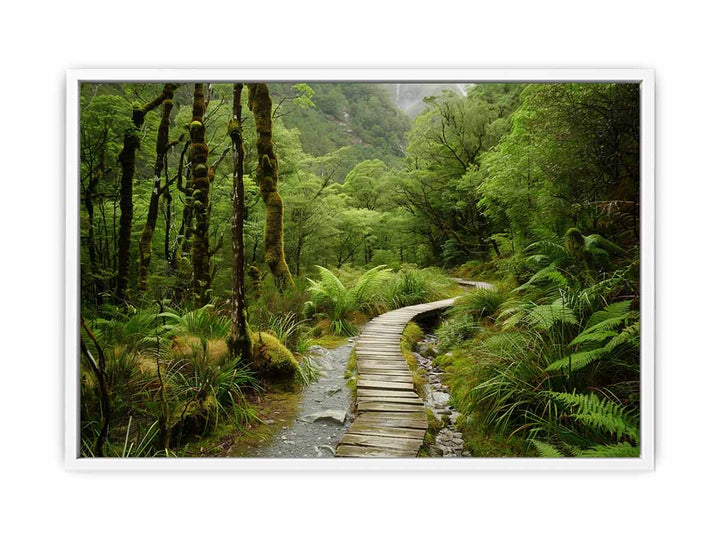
<point>439,270</point>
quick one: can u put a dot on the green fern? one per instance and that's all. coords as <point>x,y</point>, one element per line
<point>623,449</point>
<point>550,275</point>
<point>546,316</point>
<point>547,450</point>
<point>601,414</point>
<point>602,332</point>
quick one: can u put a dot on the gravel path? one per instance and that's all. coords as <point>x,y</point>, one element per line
<point>323,415</point>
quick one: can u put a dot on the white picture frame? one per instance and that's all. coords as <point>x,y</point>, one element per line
<point>646,79</point>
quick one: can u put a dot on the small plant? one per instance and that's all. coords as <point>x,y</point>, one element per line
<point>307,371</point>
<point>287,328</point>
<point>203,323</point>
<point>453,331</point>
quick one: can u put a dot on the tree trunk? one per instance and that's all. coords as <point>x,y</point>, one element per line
<point>200,184</point>
<point>298,253</point>
<point>127,165</point>
<point>161,148</point>
<point>89,199</point>
<point>98,368</point>
<point>240,342</point>
<point>267,179</point>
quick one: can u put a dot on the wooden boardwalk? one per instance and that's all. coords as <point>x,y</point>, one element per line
<point>391,419</point>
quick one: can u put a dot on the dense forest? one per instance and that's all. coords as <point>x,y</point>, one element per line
<point>231,233</point>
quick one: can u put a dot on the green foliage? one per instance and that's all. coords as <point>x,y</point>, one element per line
<point>547,450</point>
<point>453,331</point>
<point>333,300</point>
<point>203,322</point>
<point>375,291</point>
<point>307,371</point>
<point>599,414</point>
<point>610,330</point>
<point>480,303</point>
<point>532,185</point>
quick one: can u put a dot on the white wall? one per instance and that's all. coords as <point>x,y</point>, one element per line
<point>679,40</point>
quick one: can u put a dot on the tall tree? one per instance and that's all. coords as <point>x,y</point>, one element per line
<point>200,183</point>
<point>162,145</point>
<point>240,343</point>
<point>96,173</point>
<point>131,143</point>
<point>267,179</point>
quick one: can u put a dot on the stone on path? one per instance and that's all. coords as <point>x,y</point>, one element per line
<point>328,414</point>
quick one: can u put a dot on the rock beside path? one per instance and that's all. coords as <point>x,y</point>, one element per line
<point>334,415</point>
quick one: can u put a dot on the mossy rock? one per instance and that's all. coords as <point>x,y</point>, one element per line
<point>271,359</point>
<point>574,240</point>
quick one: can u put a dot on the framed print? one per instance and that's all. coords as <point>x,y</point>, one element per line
<point>360,269</point>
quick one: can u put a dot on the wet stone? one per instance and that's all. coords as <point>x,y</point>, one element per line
<point>449,441</point>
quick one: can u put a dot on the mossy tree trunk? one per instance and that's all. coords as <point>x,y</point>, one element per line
<point>161,148</point>
<point>131,143</point>
<point>267,179</point>
<point>240,342</point>
<point>200,184</point>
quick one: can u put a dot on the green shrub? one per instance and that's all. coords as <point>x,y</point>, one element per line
<point>480,303</point>
<point>204,323</point>
<point>453,331</point>
<point>374,292</point>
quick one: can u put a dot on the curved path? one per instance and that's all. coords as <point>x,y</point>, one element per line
<point>391,420</point>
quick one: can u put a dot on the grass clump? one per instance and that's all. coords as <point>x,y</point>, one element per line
<point>480,303</point>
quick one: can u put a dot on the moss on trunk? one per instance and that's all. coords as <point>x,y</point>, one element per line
<point>200,185</point>
<point>267,179</point>
<point>131,143</point>
<point>240,342</point>
<point>161,148</point>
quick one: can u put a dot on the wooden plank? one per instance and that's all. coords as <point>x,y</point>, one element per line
<point>378,406</point>
<point>369,364</point>
<point>379,366</point>
<point>408,400</point>
<point>399,377</point>
<point>392,419</point>
<point>345,450</point>
<point>382,370</point>
<point>384,431</point>
<point>364,383</point>
<point>409,445</point>
<point>392,423</point>
<point>374,356</point>
<point>384,393</point>
<point>387,358</point>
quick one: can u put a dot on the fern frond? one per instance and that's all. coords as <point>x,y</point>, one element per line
<point>550,275</point>
<point>554,250</point>
<point>547,450</point>
<point>623,449</point>
<point>577,360</point>
<point>546,316</point>
<point>618,310</point>
<point>601,414</point>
